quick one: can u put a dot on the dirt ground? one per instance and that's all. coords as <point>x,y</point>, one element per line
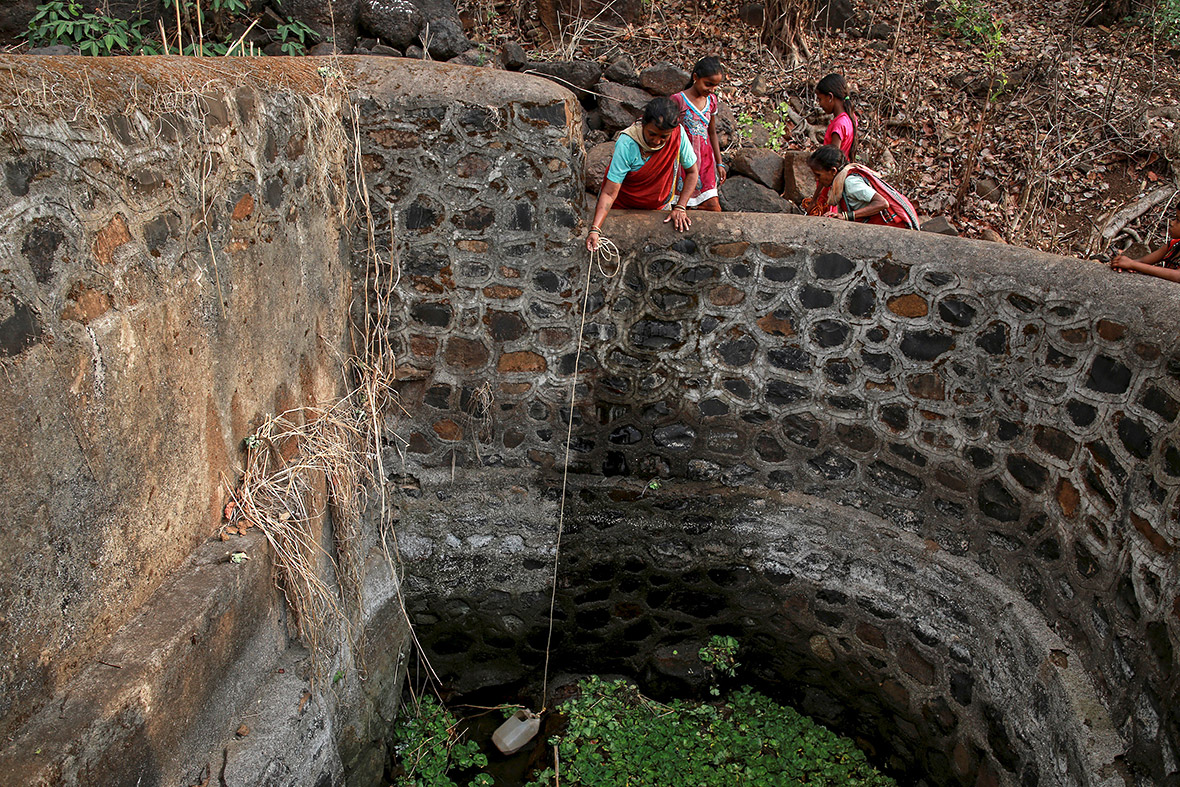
<point>1075,127</point>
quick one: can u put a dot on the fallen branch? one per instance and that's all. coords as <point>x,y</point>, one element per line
<point>1133,211</point>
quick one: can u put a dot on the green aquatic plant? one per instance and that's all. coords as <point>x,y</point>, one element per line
<point>429,748</point>
<point>616,737</point>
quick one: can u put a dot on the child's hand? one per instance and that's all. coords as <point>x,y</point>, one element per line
<point>1120,262</point>
<point>722,173</point>
<point>592,240</point>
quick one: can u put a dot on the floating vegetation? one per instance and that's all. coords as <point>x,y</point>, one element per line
<point>616,737</point>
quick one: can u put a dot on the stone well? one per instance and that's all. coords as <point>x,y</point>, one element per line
<point>932,485</point>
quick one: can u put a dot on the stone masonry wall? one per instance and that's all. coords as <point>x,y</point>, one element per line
<point>944,675</point>
<point>1015,409</point>
<point>178,257</point>
<point>171,272</point>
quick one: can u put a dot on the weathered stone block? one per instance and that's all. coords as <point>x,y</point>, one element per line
<point>663,79</point>
<point>465,353</point>
<point>619,105</point>
<point>523,361</point>
<point>910,305</point>
<point>761,165</point>
<point>798,181</point>
<point>743,195</point>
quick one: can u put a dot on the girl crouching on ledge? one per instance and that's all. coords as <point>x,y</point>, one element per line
<point>856,193</point>
<point>1164,262</point>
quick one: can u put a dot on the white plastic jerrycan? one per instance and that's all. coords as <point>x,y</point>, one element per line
<point>518,730</point>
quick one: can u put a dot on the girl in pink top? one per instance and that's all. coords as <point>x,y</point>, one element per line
<point>698,109</point>
<point>832,95</point>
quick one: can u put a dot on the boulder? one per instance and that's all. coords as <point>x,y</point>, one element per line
<point>407,22</point>
<point>597,162</point>
<point>726,125</point>
<point>742,195</point>
<point>755,135</point>
<point>445,38</point>
<point>382,50</point>
<point>473,57</point>
<point>990,235</point>
<point>834,14</point>
<point>14,19</point>
<point>798,180</point>
<point>513,56</point>
<point>752,14</point>
<point>939,225</point>
<point>335,22</point>
<point>989,190</point>
<point>663,79</point>
<point>620,105</point>
<point>576,75</point>
<point>56,49</point>
<point>397,24</point>
<point>622,70</point>
<point>759,164</point>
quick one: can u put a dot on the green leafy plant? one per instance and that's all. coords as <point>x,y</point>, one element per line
<point>206,25</point>
<point>67,22</point>
<point>777,128</point>
<point>428,748</point>
<point>294,36</point>
<point>720,656</point>
<point>616,737</point>
<point>1163,19</point>
<point>971,19</point>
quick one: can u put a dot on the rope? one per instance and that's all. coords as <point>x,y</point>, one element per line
<point>610,252</point>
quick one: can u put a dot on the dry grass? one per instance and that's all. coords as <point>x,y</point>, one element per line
<point>300,464</point>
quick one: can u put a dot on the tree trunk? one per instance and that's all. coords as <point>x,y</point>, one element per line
<point>1105,12</point>
<point>784,28</point>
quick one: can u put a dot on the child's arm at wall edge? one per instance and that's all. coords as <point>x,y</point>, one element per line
<point>1128,264</point>
<point>1152,258</point>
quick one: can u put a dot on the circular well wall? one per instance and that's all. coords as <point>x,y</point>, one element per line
<point>943,674</point>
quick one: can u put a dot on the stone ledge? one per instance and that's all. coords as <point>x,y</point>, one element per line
<point>1041,275</point>
<point>168,686</point>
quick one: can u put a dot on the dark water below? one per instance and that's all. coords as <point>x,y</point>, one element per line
<point>509,770</point>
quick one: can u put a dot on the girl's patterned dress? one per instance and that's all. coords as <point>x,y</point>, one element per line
<point>696,123</point>
<point>1171,258</point>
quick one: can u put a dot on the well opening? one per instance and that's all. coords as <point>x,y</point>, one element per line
<point>940,673</point>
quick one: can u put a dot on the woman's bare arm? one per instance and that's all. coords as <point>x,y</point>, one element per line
<point>606,198</point>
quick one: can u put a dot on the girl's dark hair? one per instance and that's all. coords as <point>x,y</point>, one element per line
<point>834,85</point>
<point>827,157</point>
<point>663,112</point>
<point>705,67</point>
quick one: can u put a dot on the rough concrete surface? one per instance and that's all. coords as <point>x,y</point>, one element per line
<point>154,347</point>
